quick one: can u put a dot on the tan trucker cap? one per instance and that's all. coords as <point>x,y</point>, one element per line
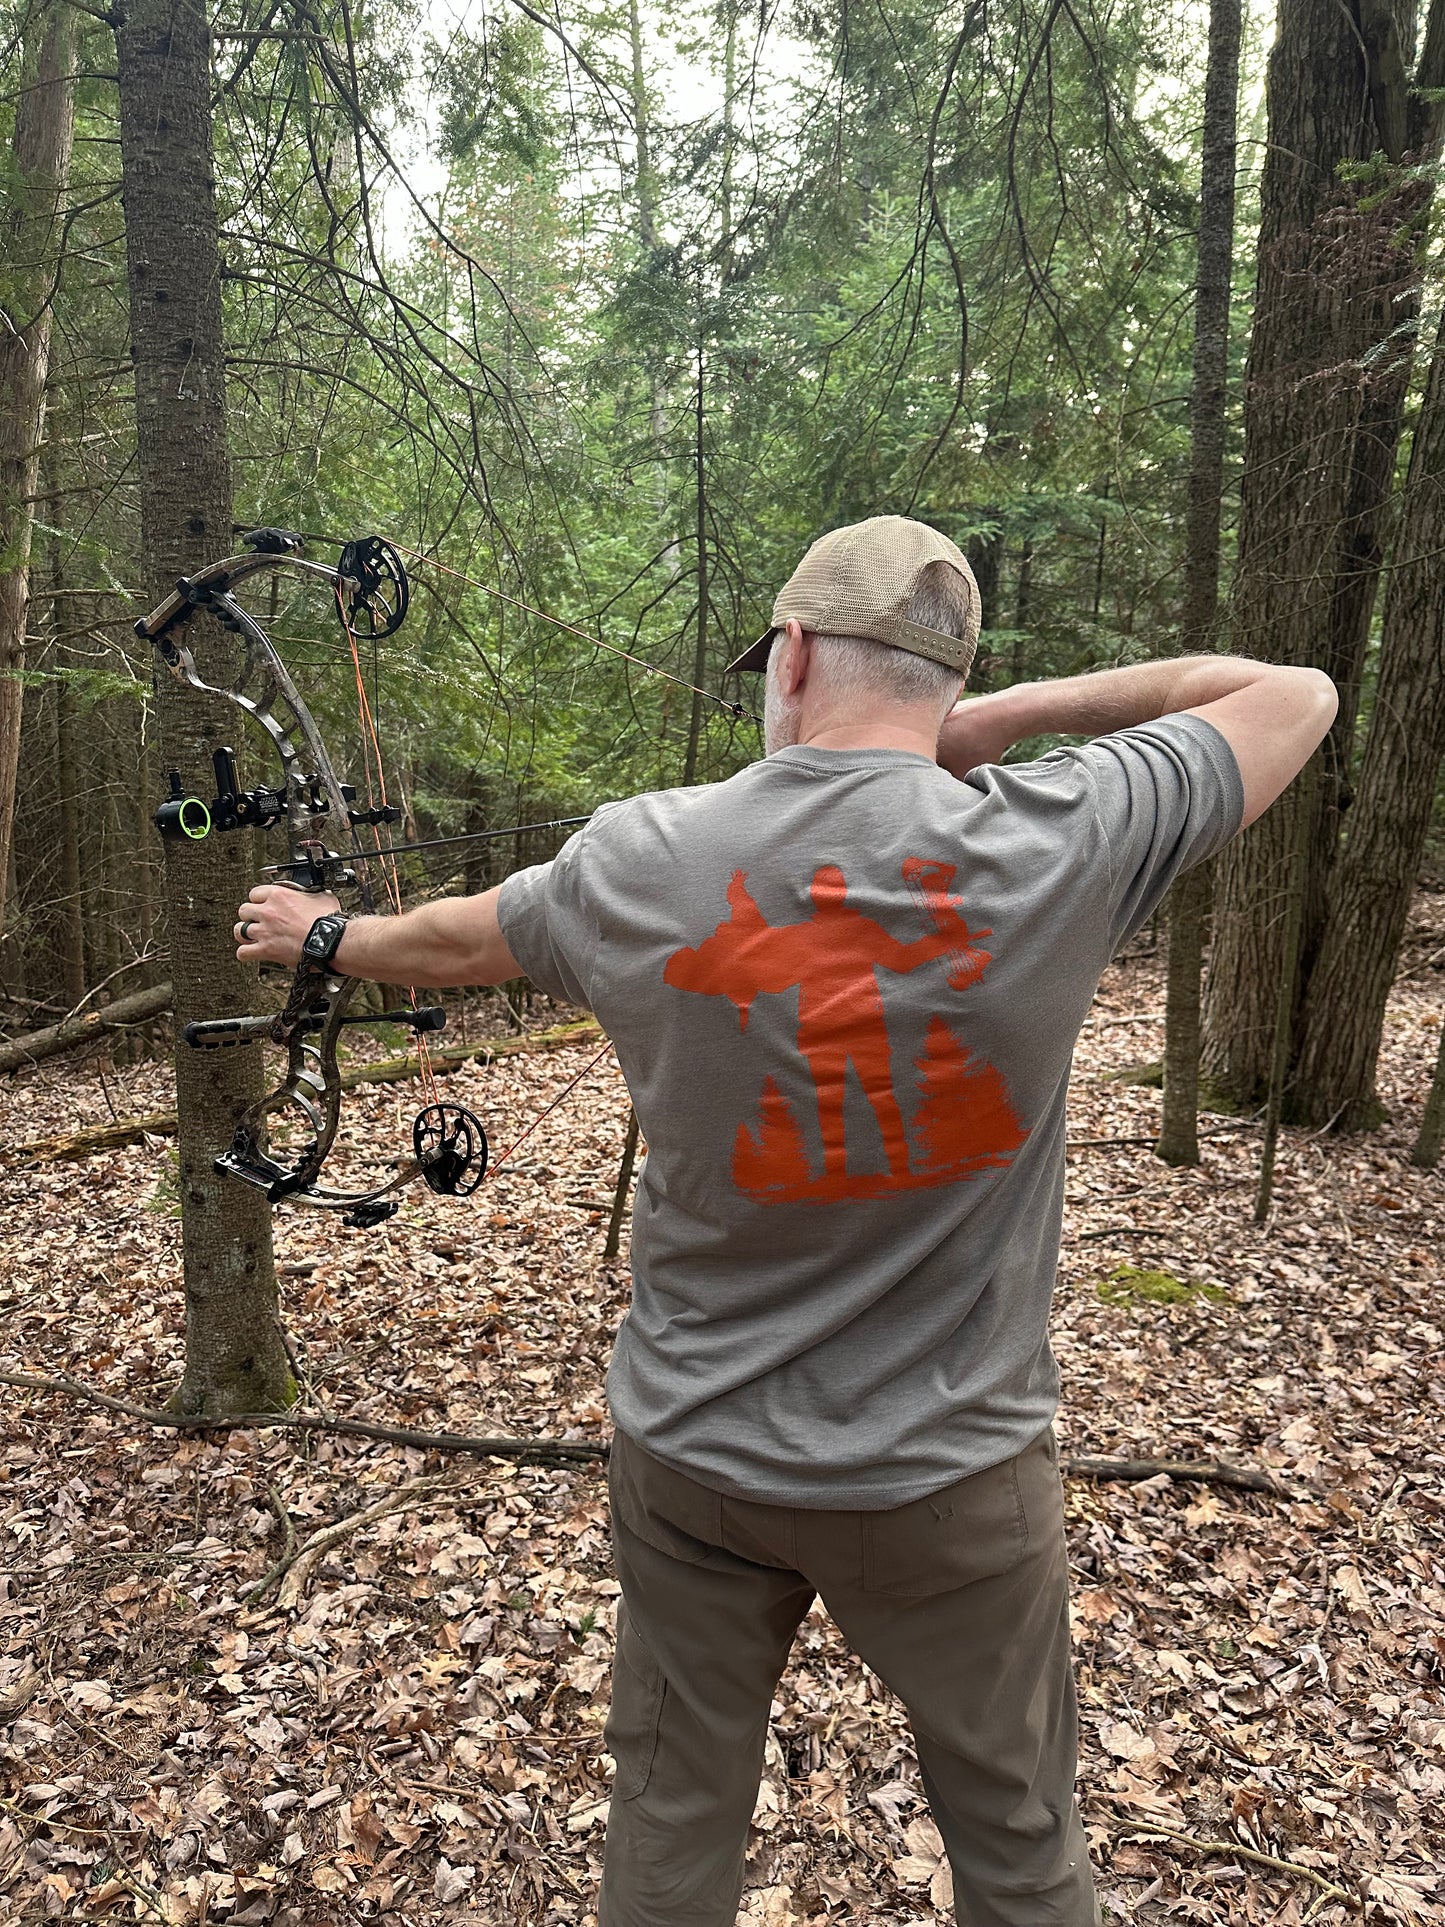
<point>856,581</point>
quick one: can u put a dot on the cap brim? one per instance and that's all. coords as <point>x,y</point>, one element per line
<point>755,656</point>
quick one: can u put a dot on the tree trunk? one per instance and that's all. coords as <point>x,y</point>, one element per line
<point>44,126</point>
<point>646,188</point>
<point>1369,893</point>
<point>1300,806</point>
<point>235,1358</point>
<point>699,656</point>
<point>1329,364</point>
<point>987,561</point>
<point>1023,606</point>
<point>1189,899</point>
<point>1213,282</point>
<point>646,180</point>
<point>1426,1150</point>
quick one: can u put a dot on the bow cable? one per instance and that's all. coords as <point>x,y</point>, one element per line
<point>387,855</point>
<point>375,771</point>
<point>596,642</point>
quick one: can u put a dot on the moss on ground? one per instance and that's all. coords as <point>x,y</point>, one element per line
<point>1133,1284</point>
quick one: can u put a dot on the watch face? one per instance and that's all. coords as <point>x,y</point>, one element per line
<point>323,938</point>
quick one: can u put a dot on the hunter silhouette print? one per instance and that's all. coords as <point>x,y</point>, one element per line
<point>962,1122</point>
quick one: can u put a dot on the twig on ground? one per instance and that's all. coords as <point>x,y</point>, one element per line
<point>525,1451</point>
<point>1233,1848</point>
<point>288,1551</point>
<point>1152,1137</point>
<point>147,1896</point>
<point>1204,1471</point>
<point>304,1562</point>
<point>570,1451</point>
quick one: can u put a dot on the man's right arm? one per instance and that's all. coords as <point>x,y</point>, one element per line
<point>1273,716</point>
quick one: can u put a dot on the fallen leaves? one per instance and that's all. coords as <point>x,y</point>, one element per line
<point>413,1734</point>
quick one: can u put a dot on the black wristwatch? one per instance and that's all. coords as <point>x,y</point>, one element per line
<point>322,939</point>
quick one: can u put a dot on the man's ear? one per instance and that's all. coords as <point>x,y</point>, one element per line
<point>797,648</point>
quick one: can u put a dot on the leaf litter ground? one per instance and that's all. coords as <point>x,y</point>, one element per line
<point>410,1728</point>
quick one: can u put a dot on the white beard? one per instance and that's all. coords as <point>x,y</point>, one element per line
<point>782,716</point>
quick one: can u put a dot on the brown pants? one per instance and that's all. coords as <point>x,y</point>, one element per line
<point>958,1602</point>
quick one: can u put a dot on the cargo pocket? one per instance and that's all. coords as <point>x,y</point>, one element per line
<point>630,1734</point>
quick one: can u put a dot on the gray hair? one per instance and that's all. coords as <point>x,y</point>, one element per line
<point>859,671</point>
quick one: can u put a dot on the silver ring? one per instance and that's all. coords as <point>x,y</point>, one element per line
<point>245,933</point>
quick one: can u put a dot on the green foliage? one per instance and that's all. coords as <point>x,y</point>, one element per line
<point>888,260</point>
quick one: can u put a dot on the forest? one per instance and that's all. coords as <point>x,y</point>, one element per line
<point>406,415</point>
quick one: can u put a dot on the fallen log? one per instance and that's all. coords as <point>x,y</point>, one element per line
<point>71,1033</point>
<point>524,1451</point>
<point>390,1070</point>
<point>562,1451</point>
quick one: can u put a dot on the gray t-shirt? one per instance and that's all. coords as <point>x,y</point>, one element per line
<point>844,988</point>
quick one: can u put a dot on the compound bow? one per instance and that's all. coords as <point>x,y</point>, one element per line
<point>369,584</point>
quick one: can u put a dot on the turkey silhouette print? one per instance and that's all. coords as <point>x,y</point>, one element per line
<point>963,1122</point>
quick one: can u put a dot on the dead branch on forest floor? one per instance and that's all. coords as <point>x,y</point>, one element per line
<point>1200,1471</point>
<point>574,1451</point>
<point>293,1570</point>
<point>391,1070</point>
<point>524,1451</point>
<point>71,1033</point>
<point>1143,1829</point>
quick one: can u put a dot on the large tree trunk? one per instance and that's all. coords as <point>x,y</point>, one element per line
<point>235,1358</point>
<point>1189,899</point>
<point>1329,364</point>
<point>1369,894</point>
<point>44,126</point>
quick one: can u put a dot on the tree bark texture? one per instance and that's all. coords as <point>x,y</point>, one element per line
<point>1179,1120</point>
<point>1213,283</point>
<point>1374,875</point>
<point>1336,293</point>
<point>235,1357</point>
<point>1426,1150</point>
<point>30,233</point>
<point>699,654</point>
<point>1189,898</point>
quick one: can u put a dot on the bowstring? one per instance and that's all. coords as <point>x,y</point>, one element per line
<point>371,756</point>
<point>376,787</point>
<point>566,1091</point>
<point>374,769</point>
<point>734,709</point>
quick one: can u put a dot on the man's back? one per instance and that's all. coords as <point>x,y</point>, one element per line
<point>844,988</point>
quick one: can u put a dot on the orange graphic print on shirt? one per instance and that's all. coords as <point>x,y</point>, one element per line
<point>963,1122</point>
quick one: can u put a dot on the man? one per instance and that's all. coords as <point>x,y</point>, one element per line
<point>844,987</point>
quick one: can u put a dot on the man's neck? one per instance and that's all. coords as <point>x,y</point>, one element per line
<point>871,736</point>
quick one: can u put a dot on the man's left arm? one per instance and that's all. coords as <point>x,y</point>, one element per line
<point>456,940</point>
